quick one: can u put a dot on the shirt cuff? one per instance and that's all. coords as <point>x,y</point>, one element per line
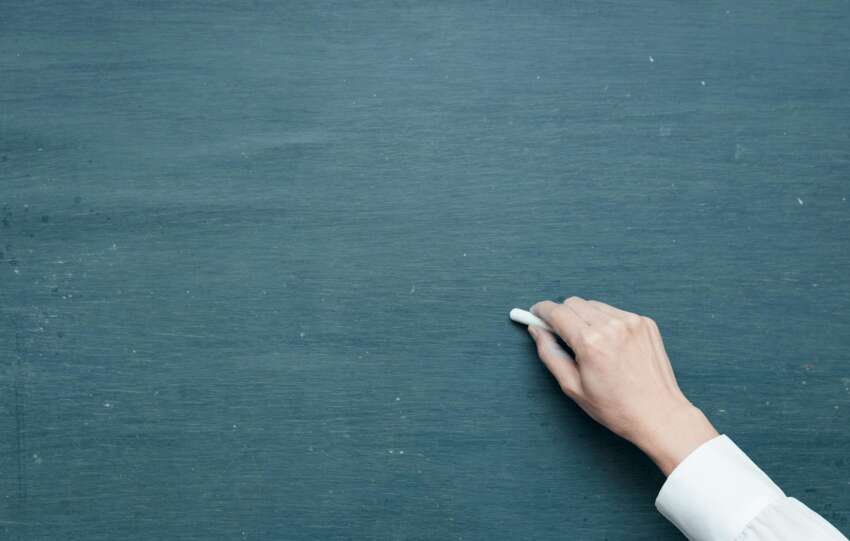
<point>715,492</point>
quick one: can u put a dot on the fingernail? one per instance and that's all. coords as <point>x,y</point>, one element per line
<point>532,330</point>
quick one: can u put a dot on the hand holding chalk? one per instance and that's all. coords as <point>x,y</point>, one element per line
<point>527,318</point>
<point>620,374</point>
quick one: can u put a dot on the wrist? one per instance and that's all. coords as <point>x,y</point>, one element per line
<point>674,435</point>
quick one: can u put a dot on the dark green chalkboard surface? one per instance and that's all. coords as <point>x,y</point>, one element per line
<point>257,259</point>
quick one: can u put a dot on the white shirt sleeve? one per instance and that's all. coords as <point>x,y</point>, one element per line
<point>718,494</point>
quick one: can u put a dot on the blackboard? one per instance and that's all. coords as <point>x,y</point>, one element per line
<point>257,259</point>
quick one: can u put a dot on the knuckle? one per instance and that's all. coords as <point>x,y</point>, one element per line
<point>559,314</point>
<point>572,300</point>
<point>538,306</point>
<point>649,323</point>
<point>633,321</point>
<point>618,326</point>
<point>568,388</point>
<point>592,338</point>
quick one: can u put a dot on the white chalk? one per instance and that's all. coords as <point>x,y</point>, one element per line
<point>527,318</point>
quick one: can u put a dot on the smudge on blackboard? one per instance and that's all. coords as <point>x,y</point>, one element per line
<point>739,151</point>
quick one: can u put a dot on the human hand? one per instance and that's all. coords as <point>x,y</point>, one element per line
<point>621,376</point>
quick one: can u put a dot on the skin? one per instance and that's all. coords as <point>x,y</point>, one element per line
<point>621,376</point>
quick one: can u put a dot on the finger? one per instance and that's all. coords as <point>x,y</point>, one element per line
<point>558,361</point>
<point>564,320</point>
<point>611,310</point>
<point>587,311</point>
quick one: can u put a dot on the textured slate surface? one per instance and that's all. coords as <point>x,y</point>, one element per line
<point>257,259</point>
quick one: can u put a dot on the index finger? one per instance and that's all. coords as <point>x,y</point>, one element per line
<point>563,319</point>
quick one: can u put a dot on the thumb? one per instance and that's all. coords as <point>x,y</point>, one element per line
<point>557,360</point>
